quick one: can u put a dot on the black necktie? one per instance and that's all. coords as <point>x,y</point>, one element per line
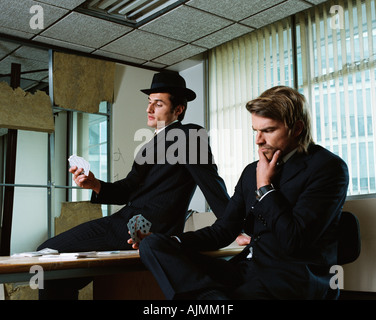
<point>277,177</point>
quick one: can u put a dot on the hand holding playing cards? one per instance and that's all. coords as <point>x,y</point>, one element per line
<point>139,228</point>
<point>82,175</point>
<point>83,181</point>
<point>140,236</point>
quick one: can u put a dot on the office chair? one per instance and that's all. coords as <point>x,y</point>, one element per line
<point>349,244</point>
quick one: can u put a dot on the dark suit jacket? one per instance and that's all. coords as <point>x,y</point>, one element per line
<point>163,178</point>
<point>293,229</point>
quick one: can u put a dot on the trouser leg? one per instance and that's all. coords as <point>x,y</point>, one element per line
<point>89,236</point>
<point>183,273</point>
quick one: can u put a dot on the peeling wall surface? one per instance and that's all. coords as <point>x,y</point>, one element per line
<point>75,213</point>
<point>81,83</point>
<point>25,111</point>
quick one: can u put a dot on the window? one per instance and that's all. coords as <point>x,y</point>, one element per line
<point>86,135</point>
<point>37,195</point>
<point>42,181</point>
<point>336,70</point>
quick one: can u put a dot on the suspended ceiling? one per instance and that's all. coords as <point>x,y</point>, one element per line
<point>158,38</point>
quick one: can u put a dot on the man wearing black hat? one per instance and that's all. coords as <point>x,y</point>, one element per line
<point>164,176</point>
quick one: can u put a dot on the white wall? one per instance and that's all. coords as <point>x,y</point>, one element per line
<point>195,78</point>
<point>129,115</point>
<point>195,113</point>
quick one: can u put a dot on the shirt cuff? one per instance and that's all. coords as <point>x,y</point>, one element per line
<point>266,194</point>
<point>176,238</point>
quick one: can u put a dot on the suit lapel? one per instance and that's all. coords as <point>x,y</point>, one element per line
<point>292,167</point>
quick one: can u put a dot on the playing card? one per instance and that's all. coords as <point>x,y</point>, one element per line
<point>143,225</point>
<point>79,162</point>
<point>138,223</point>
<point>132,228</point>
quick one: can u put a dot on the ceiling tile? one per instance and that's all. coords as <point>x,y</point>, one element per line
<point>25,84</point>
<point>27,52</point>
<point>16,15</point>
<point>16,33</point>
<point>222,36</point>
<point>85,30</point>
<point>154,65</point>
<point>179,54</point>
<point>26,65</point>
<point>118,56</point>
<point>234,10</point>
<point>276,13</point>
<point>39,76</point>
<point>67,4</point>
<point>142,45</point>
<point>63,44</point>
<point>186,24</point>
<point>6,47</point>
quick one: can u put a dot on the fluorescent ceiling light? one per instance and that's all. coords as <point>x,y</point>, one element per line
<point>132,11</point>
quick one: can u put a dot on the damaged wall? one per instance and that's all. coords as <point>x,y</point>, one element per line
<point>74,213</point>
<point>81,83</point>
<point>25,111</point>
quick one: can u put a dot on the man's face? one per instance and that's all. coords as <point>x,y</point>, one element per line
<point>159,110</point>
<point>272,135</point>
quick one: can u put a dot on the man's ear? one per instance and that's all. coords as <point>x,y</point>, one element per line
<point>298,128</point>
<point>179,109</point>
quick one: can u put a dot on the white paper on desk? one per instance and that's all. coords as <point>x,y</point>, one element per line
<point>97,254</point>
<point>61,256</point>
<point>79,162</point>
<point>45,251</point>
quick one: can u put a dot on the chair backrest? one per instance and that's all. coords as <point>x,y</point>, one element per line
<point>349,243</point>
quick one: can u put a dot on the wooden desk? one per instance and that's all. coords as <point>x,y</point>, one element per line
<point>108,272</point>
<point>18,268</point>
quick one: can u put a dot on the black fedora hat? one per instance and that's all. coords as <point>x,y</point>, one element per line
<point>170,82</point>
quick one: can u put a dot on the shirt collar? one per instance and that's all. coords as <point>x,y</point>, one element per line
<point>289,155</point>
<point>161,129</point>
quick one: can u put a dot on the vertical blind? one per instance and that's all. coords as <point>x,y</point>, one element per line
<point>239,71</point>
<point>335,55</point>
<point>337,50</point>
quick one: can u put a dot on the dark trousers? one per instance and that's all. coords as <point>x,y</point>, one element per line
<point>185,274</point>
<point>96,235</point>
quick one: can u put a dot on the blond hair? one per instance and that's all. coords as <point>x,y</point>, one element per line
<point>287,105</point>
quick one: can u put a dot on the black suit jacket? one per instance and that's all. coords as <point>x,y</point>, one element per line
<point>293,229</point>
<point>163,178</point>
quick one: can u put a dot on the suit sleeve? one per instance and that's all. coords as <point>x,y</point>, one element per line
<point>224,230</point>
<point>117,192</point>
<point>200,163</point>
<point>212,186</point>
